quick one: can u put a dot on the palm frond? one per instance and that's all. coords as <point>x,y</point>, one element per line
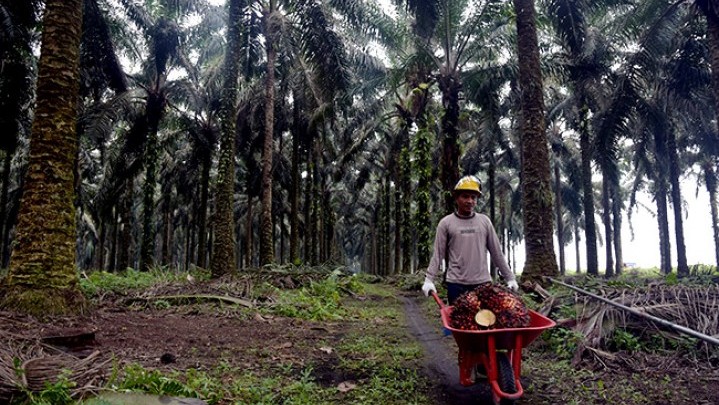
<point>97,122</point>
<point>99,61</point>
<point>426,14</point>
<point>323,47</point>
<point>138,15</point>
<point>369,20</point>
<point>570,22</point>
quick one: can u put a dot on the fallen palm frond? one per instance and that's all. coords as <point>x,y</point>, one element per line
<point>30,367</point>
<point>183,299</point>
<point>10,357</point>
<point>85,374</point>
<point>693,307</point>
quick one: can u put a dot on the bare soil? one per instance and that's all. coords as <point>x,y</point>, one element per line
<point>203,335</point>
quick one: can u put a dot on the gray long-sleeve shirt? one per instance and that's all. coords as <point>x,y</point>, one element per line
<point>464,243</point>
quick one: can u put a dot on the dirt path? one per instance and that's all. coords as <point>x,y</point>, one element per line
<point>441,358</point>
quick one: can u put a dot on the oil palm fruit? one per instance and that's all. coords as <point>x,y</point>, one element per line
<point>489,307</point>
<point>511,312</point>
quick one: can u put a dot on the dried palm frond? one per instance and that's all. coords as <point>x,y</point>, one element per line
<point>86,374</point>
<point>693,307</point>
<point>29,366</point>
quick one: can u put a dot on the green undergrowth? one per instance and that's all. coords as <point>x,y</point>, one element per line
<point>319,300</point>
<point>121,282</point>
<point>371,357</point>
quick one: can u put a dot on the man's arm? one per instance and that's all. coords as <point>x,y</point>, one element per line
<point>440,247</point>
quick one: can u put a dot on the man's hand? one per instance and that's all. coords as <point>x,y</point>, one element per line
<point>428,286</point>
<point>512,285</point>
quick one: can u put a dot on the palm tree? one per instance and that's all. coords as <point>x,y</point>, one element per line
<point>272,30</point>
<point>42,278</point>
<point>223,257</point>
<point>162,27</point>
<point>489,147</point>
<point>585,61</point>
<point>310,41</point>
<point>536,184</point>
<point>688,86</point>
<point>710,9</point>
<point>449,40</point>
<point>641,98</point>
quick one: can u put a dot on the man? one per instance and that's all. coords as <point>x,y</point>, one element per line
<point>463,239</point>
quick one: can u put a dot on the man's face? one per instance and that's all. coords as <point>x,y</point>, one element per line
<point>466,201</point>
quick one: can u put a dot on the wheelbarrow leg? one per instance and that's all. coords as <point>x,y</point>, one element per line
<point>467,361</point>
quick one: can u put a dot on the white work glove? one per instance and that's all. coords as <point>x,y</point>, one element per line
<point>428,286</point>
<point>512,285</point>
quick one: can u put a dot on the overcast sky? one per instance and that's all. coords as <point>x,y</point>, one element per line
<point>642,247</point>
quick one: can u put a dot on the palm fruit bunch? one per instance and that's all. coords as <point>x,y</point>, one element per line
<point>464,310</point>
<point>508,307</point>
<point>489,307</point>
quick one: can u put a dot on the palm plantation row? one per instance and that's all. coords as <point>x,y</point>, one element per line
<point>312,131</point>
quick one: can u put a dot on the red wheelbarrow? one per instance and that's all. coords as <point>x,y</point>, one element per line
<point>499,351</point>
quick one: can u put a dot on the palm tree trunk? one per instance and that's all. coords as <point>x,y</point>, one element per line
<point>423,169</point>
<point>295,189</point>
<point>167,237</point>
<point>249,234</point>
<point>659,176</point>
<point>450,85</point>
<point>406,209</point>
<point>663,224</point>
<point>617,226</point>
<point>491,189</point>
<point>329,228</point>
<point>491,178</point>
<point>502,230</point>
<point>223,259</point>
<point>711,184</point>
<point>607,219</point>
<point>127,246</point>
<point>676,195</point>
<point>4,217</point>
<point>397,227</point>
<point>320,217</point>
<point>576,248</point>
<point>387,223</point>
<point>112,260</point>
<point>240,247</point>
<point>202,214</point>
<point>590,230</point>
<point>147,252</point>
<point>374,268</point>
<point>535,174</point>
<point>281,225</point>
<point>42,278</point>
<point>315,254</point>
<point>558,215</point>
<point>308,237</point>
<point>188,244</point>
<point>267,253</point>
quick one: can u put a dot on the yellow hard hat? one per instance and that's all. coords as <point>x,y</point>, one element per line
<point>468,183</point>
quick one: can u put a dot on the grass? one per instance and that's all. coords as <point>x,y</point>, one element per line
<point>375,354</point>
<point>98,282</point>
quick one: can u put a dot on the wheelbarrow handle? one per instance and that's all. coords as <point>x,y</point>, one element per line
<point>438,300</point>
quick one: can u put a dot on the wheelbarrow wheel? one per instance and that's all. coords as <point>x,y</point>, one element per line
<point>506,378</point>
